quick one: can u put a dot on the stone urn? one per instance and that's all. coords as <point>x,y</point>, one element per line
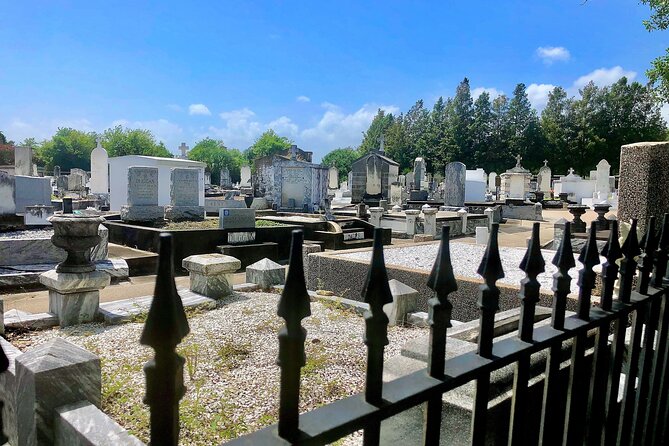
<point>76,235</point>
<point>601,209</point>
<point>577,210</point>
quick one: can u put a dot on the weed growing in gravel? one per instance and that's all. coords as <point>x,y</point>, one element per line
<point>231,354</point>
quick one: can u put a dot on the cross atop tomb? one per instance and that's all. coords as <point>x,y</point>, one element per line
<point>571,171</point>
<point>518,160</point>
<point>184,150</point>
<point>545,163</point>
<point>98,140</point>
<point>382,141</point>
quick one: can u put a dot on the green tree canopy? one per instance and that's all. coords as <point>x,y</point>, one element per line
<point>214,153</point>
<point>378,127</point>
<point>68,148</point>
<point>342,159</point>
<point>658,74</point>
<point>269,143</point>
<point>3,139</point>
<point>120,141</point>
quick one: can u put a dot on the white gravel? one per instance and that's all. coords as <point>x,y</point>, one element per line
<point>466,259</point>
<point>231,372</point>
<point>27,234</point>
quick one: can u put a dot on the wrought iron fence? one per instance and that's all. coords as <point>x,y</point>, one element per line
<point>589,411</point>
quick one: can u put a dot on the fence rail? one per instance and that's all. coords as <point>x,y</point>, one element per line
<point>590,410</point>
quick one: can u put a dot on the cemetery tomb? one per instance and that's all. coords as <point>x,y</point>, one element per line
<point>575,186</point>
<point>475,185</point>
<point>142,196</point>
<point>515,182</point>
<point>333,178</point>
<point>184,196</point>
<point>544,178</point>
<point>7,190</point>
<point>99,170</point>
<point>372,176</point>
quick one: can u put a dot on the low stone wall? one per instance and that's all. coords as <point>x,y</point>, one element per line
<point>532,212</point>
<point>327,269</point>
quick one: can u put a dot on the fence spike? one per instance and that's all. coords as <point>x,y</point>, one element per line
<point>294,305</point>
<point>376,292</point>
<point>589,257</point>
<point>532,264</point>
<point>613,253</point>
<point>661,254</point>
<point>491,270</point>
<point>645,262</point>
<point>4,365</point>
<point>630,246</point>
<point>564,261</point>
<point>166,325</point>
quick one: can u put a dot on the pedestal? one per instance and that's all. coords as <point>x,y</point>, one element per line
<point>376,214</point>
<point>211,274</point>
<point>577,210</point>
<point>74,297</point>
<point>181,213</point>
<point>142,213</point>
<point>411,216</point>
<point>430,221</point>
<point>601,210</point>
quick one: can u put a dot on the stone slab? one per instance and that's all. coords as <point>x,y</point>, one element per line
<point>181,213</point>
<point>83,424</point>
<point>74,308</point>
<point>74,282</point>
<point>142,186</point>
<point>184,191</point>
<point>237,218</point>
<point>31,321</point>
<point>142,213</point>
<point>211,264</point>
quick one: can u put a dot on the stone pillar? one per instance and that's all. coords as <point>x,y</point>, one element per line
<point>411,216</point>
<point>308,248</point>
<point>383,204</point>
<point>266,273</point>
<point>211,274</point>
<point>558,232</point>
<point>644,181</point>
<point>376,215</point>
<point>74,297</point>
<point>49,376</point>
<point>490,213</point>
<point>430,223</point>
<point>463,216</point>
<point>481,235</point>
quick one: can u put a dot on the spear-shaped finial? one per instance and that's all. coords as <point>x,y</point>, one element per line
<point>564,260</point>
<point>376,291</point>
<point>490,267</point>
<point>612,252</point>
<point>630,246</point>
<point>533,264</point>
<point>630,251</point>
<point>294,301</point>
<point>648,244</point>
<point>589,257</point>
<point>491,270</point>
<point>661,254</point>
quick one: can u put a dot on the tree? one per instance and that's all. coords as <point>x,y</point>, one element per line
<point>378,127</point>
<point>214,153</point>
<point>342,159</point>
<point>119,141</point>
<point>658,74</point>
<point>3,139</point>
<point>269,143</point>
<point>557,128</point>
<point>461,120</point>
<point>524,132</point>
<point>68,148</point>
<point>481,130</point>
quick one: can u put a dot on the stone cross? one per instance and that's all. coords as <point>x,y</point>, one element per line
<point>98,140</point>
<point>545,163</point>
<point>518,160</point>
<point>184,149</point>
<point>382,141</point>
<point>571,171</point>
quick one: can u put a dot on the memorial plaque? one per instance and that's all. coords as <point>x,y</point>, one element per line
<point>236,218</point>
<point>142,186</point>
<point>184,187</point>
<point>235,238</point>
<point>292,186</point>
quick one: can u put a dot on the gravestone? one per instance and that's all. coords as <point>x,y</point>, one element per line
<point>23,161</point>
<point>31,191</point>
<point>396,191</point>
<point>226,182</point>
<point>142,196</point>
<point>245,172</point>
<point>419,173</point>
<point>184,196</point>
<point>454,184</point>
<point>237,218</point>
<point>603,174</point>
<point>491,181</point>
<point>405,300</point>
<point>544,178</point>
<point>62,183</point>
<point>333,178</point>
<point>7,191</point>
<point>75,181</point>
<point>207,178</point>
<point>99,170</point>
<point>56,171</point>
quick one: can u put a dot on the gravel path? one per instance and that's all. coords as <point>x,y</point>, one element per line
<point>466,259</point>
<point>231,372</point>
<point>27,234</point>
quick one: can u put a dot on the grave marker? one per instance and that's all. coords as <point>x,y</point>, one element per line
<point>454,184</point>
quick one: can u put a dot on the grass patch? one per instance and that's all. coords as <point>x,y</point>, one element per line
<point>231,354</point>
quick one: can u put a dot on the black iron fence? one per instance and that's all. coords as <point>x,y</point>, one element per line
<point>616,394</point>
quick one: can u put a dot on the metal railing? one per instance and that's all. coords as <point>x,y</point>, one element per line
<point>588,411</point>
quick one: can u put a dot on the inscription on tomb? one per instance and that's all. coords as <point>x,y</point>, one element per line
<point>143,186</point>
<point>184,188</point>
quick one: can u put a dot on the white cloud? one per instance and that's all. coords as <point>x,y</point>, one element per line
<point>163,130</point>
<point>240,129</point>
<point>339,129</point>
<point>538,94</point>
<point>174,107</point>
<point>284,126</point>
<point>550,54</point>
<point>303,99</point>
<point>19,129</point>
<point>198,109</point>
<point>604,76</point>
<point>492,91</point>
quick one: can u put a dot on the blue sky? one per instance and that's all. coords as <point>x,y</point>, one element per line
<point>314,71</point>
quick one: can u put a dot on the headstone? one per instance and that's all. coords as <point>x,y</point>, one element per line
<point>245,173</point>
<point>142,196</point>
<point>643,188</point>
<point>23,161</point>
<point>603,173</point>
<point>266,273</point>
<point>207,178</point>
<point>396,194</point>
<point>405,300</point>
<point>62,183</point>
<point>481,235</point>
<point>75,181</point>
<point>230,218</point>
<point>49,376</point>
<point>99,170</point>
<point>30,191</point>
<point>492,185</point>
<point>454,184</point>
<point>419,173</point>
<point>544,178</point>
<point>184,196</point>
<point>418,195</point>
<point>430,221</point>
<point>7,194</point>
<point>211,274</point>
<point>333,178</point>
<point>376,213</point>
<point>226,182</point>
<point>259,204</point>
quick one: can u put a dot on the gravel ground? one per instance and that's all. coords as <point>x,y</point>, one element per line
<point>466,259</point>
<point>27,234</point>
<point>231,372</point>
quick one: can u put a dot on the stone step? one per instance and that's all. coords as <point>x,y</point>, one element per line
<point>30,321</point>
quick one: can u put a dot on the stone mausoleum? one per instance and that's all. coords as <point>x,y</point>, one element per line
<point>372,176</point>
<point>291,183</point>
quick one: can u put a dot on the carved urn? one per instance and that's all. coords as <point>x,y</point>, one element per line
<point>76,234</point>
